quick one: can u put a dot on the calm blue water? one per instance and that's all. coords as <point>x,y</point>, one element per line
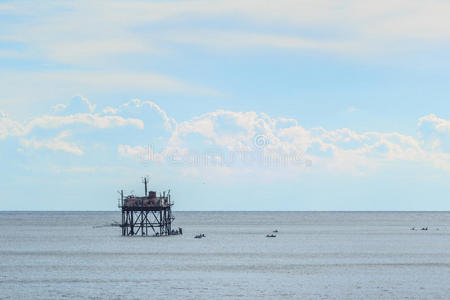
<point>47,255</point>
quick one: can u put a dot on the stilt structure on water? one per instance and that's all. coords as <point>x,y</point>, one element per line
<point>147,215</point>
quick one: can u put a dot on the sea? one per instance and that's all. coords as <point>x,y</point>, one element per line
<point>315,255</point>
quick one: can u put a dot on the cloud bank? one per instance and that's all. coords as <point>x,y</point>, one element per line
<point>222,139</point>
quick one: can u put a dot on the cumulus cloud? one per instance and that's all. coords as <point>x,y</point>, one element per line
<point>281,140</point>
<point>434,132</point>
<point>14,128</point>
<point>80,104</point>
<point>239,140</point>
<point>70,116</point>
<point>138,104</point>
<point>110,110</point>
<point>92,120</point>
<point>439,124</point>
<point>9,127</point>
<point>34,133</point>
<point>56,144</point>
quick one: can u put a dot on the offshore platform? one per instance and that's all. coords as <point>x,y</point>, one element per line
<point>147,215</point>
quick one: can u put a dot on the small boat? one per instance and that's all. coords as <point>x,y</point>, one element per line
<point>271,236</point>
<point>275,231</point>
<point>113,224</point>
<point>199,236</point>
<point>177,232</point>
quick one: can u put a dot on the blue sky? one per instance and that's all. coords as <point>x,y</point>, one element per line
<point>233,105</point>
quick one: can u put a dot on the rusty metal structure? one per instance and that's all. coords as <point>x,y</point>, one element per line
<point>147,215</point>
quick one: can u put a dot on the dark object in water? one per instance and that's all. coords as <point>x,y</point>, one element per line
<point>424,228</point>
<point>271,236</point>
<point>177,232</point>
<point>113,224</point>
<point>199,236</point>
<point>275,231</point>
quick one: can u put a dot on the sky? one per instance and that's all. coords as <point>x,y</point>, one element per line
<point>232,105</point>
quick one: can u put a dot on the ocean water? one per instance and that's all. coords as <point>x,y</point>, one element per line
<point>316,255</point>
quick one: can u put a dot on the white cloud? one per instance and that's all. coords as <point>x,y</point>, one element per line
<point>224,41</point>
<point>110,110</point>
<point>398,18</point>
<point>169,123</point>
<point>55,144</point>
<point>13,128</point>
<point>59,107</point>
<point>9,127</point>
<point>352,109</point>
<point>78,104</point>
<point>238,140</point>
<point>90,105</point>
<point>282,140</point>
<point>140,153</point>
<point>89,50</point>
<point>439,124</point>
<point>93,120</point>
<point>93,33</point>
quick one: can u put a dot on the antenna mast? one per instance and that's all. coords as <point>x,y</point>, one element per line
<point>145,184</point>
